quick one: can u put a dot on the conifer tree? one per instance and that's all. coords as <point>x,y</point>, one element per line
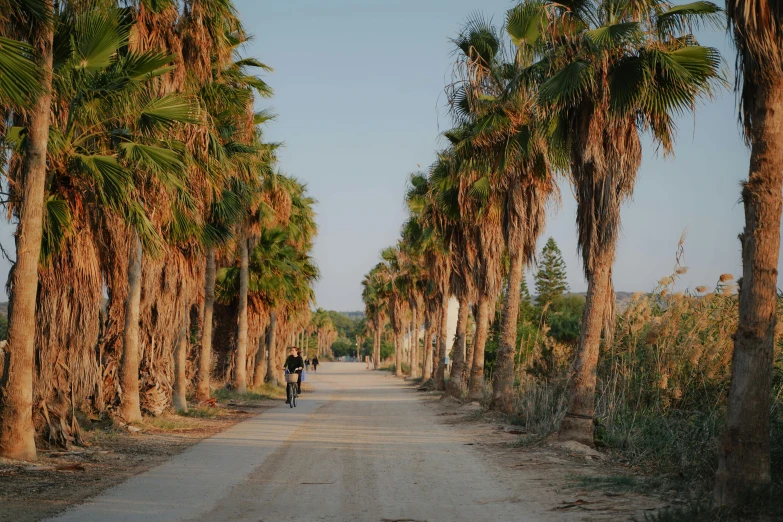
<point>526,311</point>
<point>523,290</point>
<point>551,275</point>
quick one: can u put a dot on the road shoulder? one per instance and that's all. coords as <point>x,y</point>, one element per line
<point>571,481</point>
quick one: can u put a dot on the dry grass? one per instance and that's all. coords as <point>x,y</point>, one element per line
<point>260,393</point>
<point>662,384</point>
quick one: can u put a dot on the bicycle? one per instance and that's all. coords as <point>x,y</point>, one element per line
<point>291,389</point>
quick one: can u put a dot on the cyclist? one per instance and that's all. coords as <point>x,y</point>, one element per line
<point>294,364</point>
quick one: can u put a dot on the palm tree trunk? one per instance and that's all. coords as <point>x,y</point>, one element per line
<point>398,342</point>
<point>456,385</point>
<point>426,373</point>
<point>376,351</point>
<point>577,425</point>
<point>410,348</point>
<point>271,373</point>
<point>280,355</point>
<point>376,348</point>
<point>17,433</point>
<point>436,346</point>
<point>476,388</point>
<point>240,372</point>
<point>205,357</point>
<point>259,370</point>
<point>440,373</point>
<point>179,394</point>
<point>130,409</point>
<point>503,385</point>
<point>470,348</point>
<point>745,447</point>
<point>415,358</point>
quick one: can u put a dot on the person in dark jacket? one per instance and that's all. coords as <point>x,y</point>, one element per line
<point>315,363</point>
<point>294,364</point>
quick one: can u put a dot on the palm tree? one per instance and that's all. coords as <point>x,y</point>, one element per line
<point>612,71</point>
<point>375,307</point>
<point>20,79</point>
<point>109,129</point>
<point>279,272</point>
<point>395,287</point>
<point>757,27</point>
<point>481,69</point>
<point>36,19</point>
<point>227,149</point>
<point>433,201</point>
<point>412,244</point>
<point>506,153</point>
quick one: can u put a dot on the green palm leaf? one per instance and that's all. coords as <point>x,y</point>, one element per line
<point>687,17</point>
<point>167,110</point>
<point>56,226</point>
<point>525,23</point>
<point>95,40</point>
<point>19,74</point>
<point>153,158</point>
<point>615,35</point>
<point>114,182</point>
<point>252,62</point>
<point>480,189</point>
<point>567,84</point>
<point>143,66</point>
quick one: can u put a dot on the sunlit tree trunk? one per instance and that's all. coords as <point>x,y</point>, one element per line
<point>457,385</point>
<point>503,377</point>
<point>271,372</point>
<point>17,433</point>
<point>179,394</point>
<point>280,355</point>
<point>376,354</point>
<point>436,345</point>
<point>426,373</point>
<point>130,408</point>
<point>240,372</point>
<point>440,371</point>
<point>470,346</point>
<point>745,446</point>
<point>376,350</point>
<point>476,388</point>
<point>259,365</point>
<point>416,333</point>
<point>577,425</point>
<point>205,355</point>
<point>398,347</point>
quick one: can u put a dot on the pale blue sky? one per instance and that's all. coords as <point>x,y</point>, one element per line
<point>358,90</point>
<point>359,95</point>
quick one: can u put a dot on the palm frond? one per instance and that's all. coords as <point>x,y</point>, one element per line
<point>19,74</point>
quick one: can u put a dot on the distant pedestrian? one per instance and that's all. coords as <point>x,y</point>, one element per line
<point>315,364</point>
<point>307,364</point>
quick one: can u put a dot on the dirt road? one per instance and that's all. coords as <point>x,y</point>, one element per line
<point>360,447</point>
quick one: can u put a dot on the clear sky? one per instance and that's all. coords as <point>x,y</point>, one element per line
<point>359,88</point>
<point>359,94</point>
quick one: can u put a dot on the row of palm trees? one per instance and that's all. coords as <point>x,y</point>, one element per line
<point>150,214</point>
<point>566,89</point>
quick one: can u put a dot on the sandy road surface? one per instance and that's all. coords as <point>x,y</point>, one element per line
<point>360,447</point>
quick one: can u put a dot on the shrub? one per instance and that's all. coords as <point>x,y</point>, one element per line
<point>662,383</point>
